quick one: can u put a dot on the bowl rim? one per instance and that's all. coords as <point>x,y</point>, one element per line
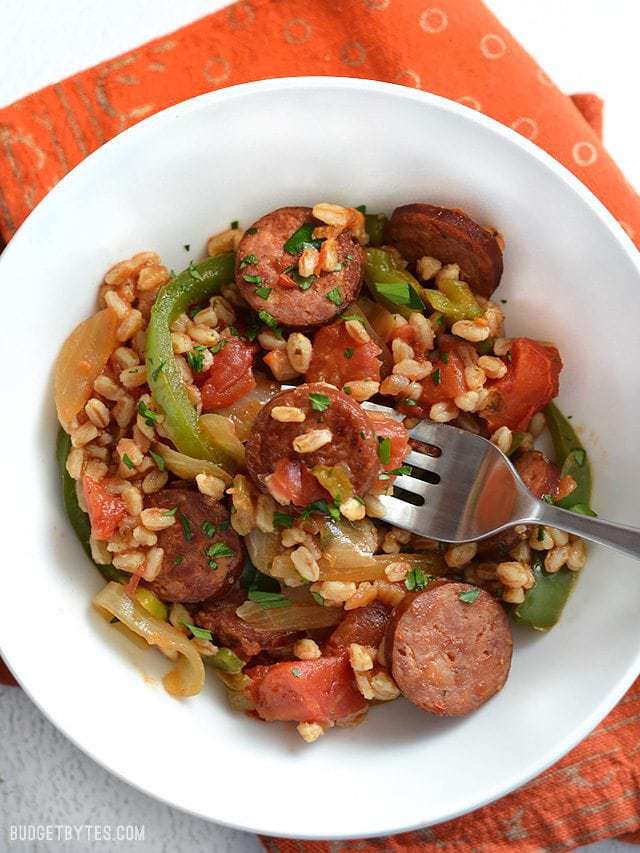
<point>315,83</point>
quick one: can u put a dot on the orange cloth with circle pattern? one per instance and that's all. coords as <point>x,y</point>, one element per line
<point>455,48</point>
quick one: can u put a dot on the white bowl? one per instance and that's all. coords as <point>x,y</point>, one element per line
<point>571,276</point>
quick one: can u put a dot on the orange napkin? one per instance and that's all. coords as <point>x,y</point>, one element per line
<point>459,50</point>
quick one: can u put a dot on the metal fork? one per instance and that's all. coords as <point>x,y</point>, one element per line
<point>471,491</point>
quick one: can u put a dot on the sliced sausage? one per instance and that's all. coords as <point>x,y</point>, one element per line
<point>542,478</point>
<point>365,625</point>
<point>451,237</point>
<point>447,656</point>
<point>231,631</point>
<point>353,443</point>
<point>189,573</point>
<point>262,262</point>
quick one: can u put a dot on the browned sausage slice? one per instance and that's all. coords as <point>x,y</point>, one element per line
<point>230,630</point>
<point>266,273</point>
<point>451,237</point>
<point>447,656</point>
<point>353,442</point>
<point>365,625</point>
<point>196,566</point>
<point>542,478</point>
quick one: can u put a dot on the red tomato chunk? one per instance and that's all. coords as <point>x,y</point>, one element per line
<point>105,510</point>
<point>230,376</point>
<point>306,691</point>
<point>530,383</point>
<point>337,358</point>
<point>293,481</point>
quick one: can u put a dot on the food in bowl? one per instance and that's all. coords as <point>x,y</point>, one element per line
<point>223,450</point>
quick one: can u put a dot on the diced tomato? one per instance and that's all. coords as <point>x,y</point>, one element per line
<point>308,690</point>
<point>105,510</point>
<point>337,358</point>
<point>386,427</point>
<point>230,376</point>
<point>292,479</point>
<point>447,379</point>
<point>538,474</point>
<point>285,281</point>
<point>530,383</point>
<point>407,333</point>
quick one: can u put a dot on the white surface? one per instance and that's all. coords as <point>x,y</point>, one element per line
<point>584,45</point>
<point>591,46</point>
<point>475,762</point>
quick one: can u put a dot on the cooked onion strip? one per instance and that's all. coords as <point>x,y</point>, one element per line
<point>221,432</point>
<point>371,568</point>
<point>187,676</point>
<point>188,468</point>
<point>304,617</point>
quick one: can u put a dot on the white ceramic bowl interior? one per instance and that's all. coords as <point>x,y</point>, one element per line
<point>571,276</point>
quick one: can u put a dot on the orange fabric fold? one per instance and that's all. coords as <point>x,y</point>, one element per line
<point>456,49</point>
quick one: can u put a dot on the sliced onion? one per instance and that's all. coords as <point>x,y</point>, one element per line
<point>243,413</point>
<point>304,617</point>
<point>186,467</point>
<point>347,542</point>
<point>371,568</point>
<point>187,676</point>
<point>221,433</point>
<point>82,359</point>
<point>262,548</point>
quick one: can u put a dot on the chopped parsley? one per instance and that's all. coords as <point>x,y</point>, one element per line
<point>127,461</point>
<point>435,376</point>
<point>335,296</point>
<point>157,371</point>
<point>251,333</point>
<point>171,511</point>
<point>268,320</point>
<point>263,292</point>
<point>178,560</point>
<point>319,402</point>
<point>469,595</point>
<point>403,469</point>
<point>235,224</point>
<point>416,580</point>
<point>269,600</point>
<point>346,317</point>
<point>444,357</point>
<point>547,499</point>
<point>215,349</point>
<point>159,460</point>
<point>195,358</point>
<point>208,529</point>
<point>150,417</point>
<point>399,293</point>
<point>186,527</point>
<point>301,238</point>
<point>540,534</point>
<point>195,273</point>
<point>323,508</point>
<point>303,282</point>
<point>384,450</point>
<point>224,525</point>
<point>219,549</point>
<point>252,279</point>
<point>318,598</point>
<point>282,519</point>
<point>251,230</point>
<point>248,259</point>
<point>409,402</point>
<point>295,672</point>
<point>348,353</point>
<point>200,633</point>
<point>508,357</point>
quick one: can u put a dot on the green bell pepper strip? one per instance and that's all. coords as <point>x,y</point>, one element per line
<point>572,457</point>
<point>545,600</point>
<point>374,225</point>
<point>225,660</point>
<point>193,285</point>
<point>79,520</point>
<point>454,299</point>
<point>391,285</point>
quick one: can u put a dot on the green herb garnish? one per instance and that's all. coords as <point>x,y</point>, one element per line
<point>435,376</point>
<point>235,224</point>
<point>263,292</point>
<point>219,549</point>
<point>208,529</point>
<point>282,519</point>
<point>269,600</point>
<point>200,633</point>
<point>186,527</point>
<point>348,353</point>
<point>127,461</point>
<point>319,402</point>
<point>268,320</point>
<point>251,230</point>
<point>157,371</point>
<point>295,672</point>
<point>150,417</point>
<point>335,296</point>
<point>159,460</point>
<point>301,238</point>
<point>252,279</point>
<point>384,450</point>
<point>195,358</point>
<point>399,293</point>
<point>248,259</point>
<point>416,580</point>
<point>469,595</point>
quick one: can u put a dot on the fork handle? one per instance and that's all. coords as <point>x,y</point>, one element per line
<point>626,539</point>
